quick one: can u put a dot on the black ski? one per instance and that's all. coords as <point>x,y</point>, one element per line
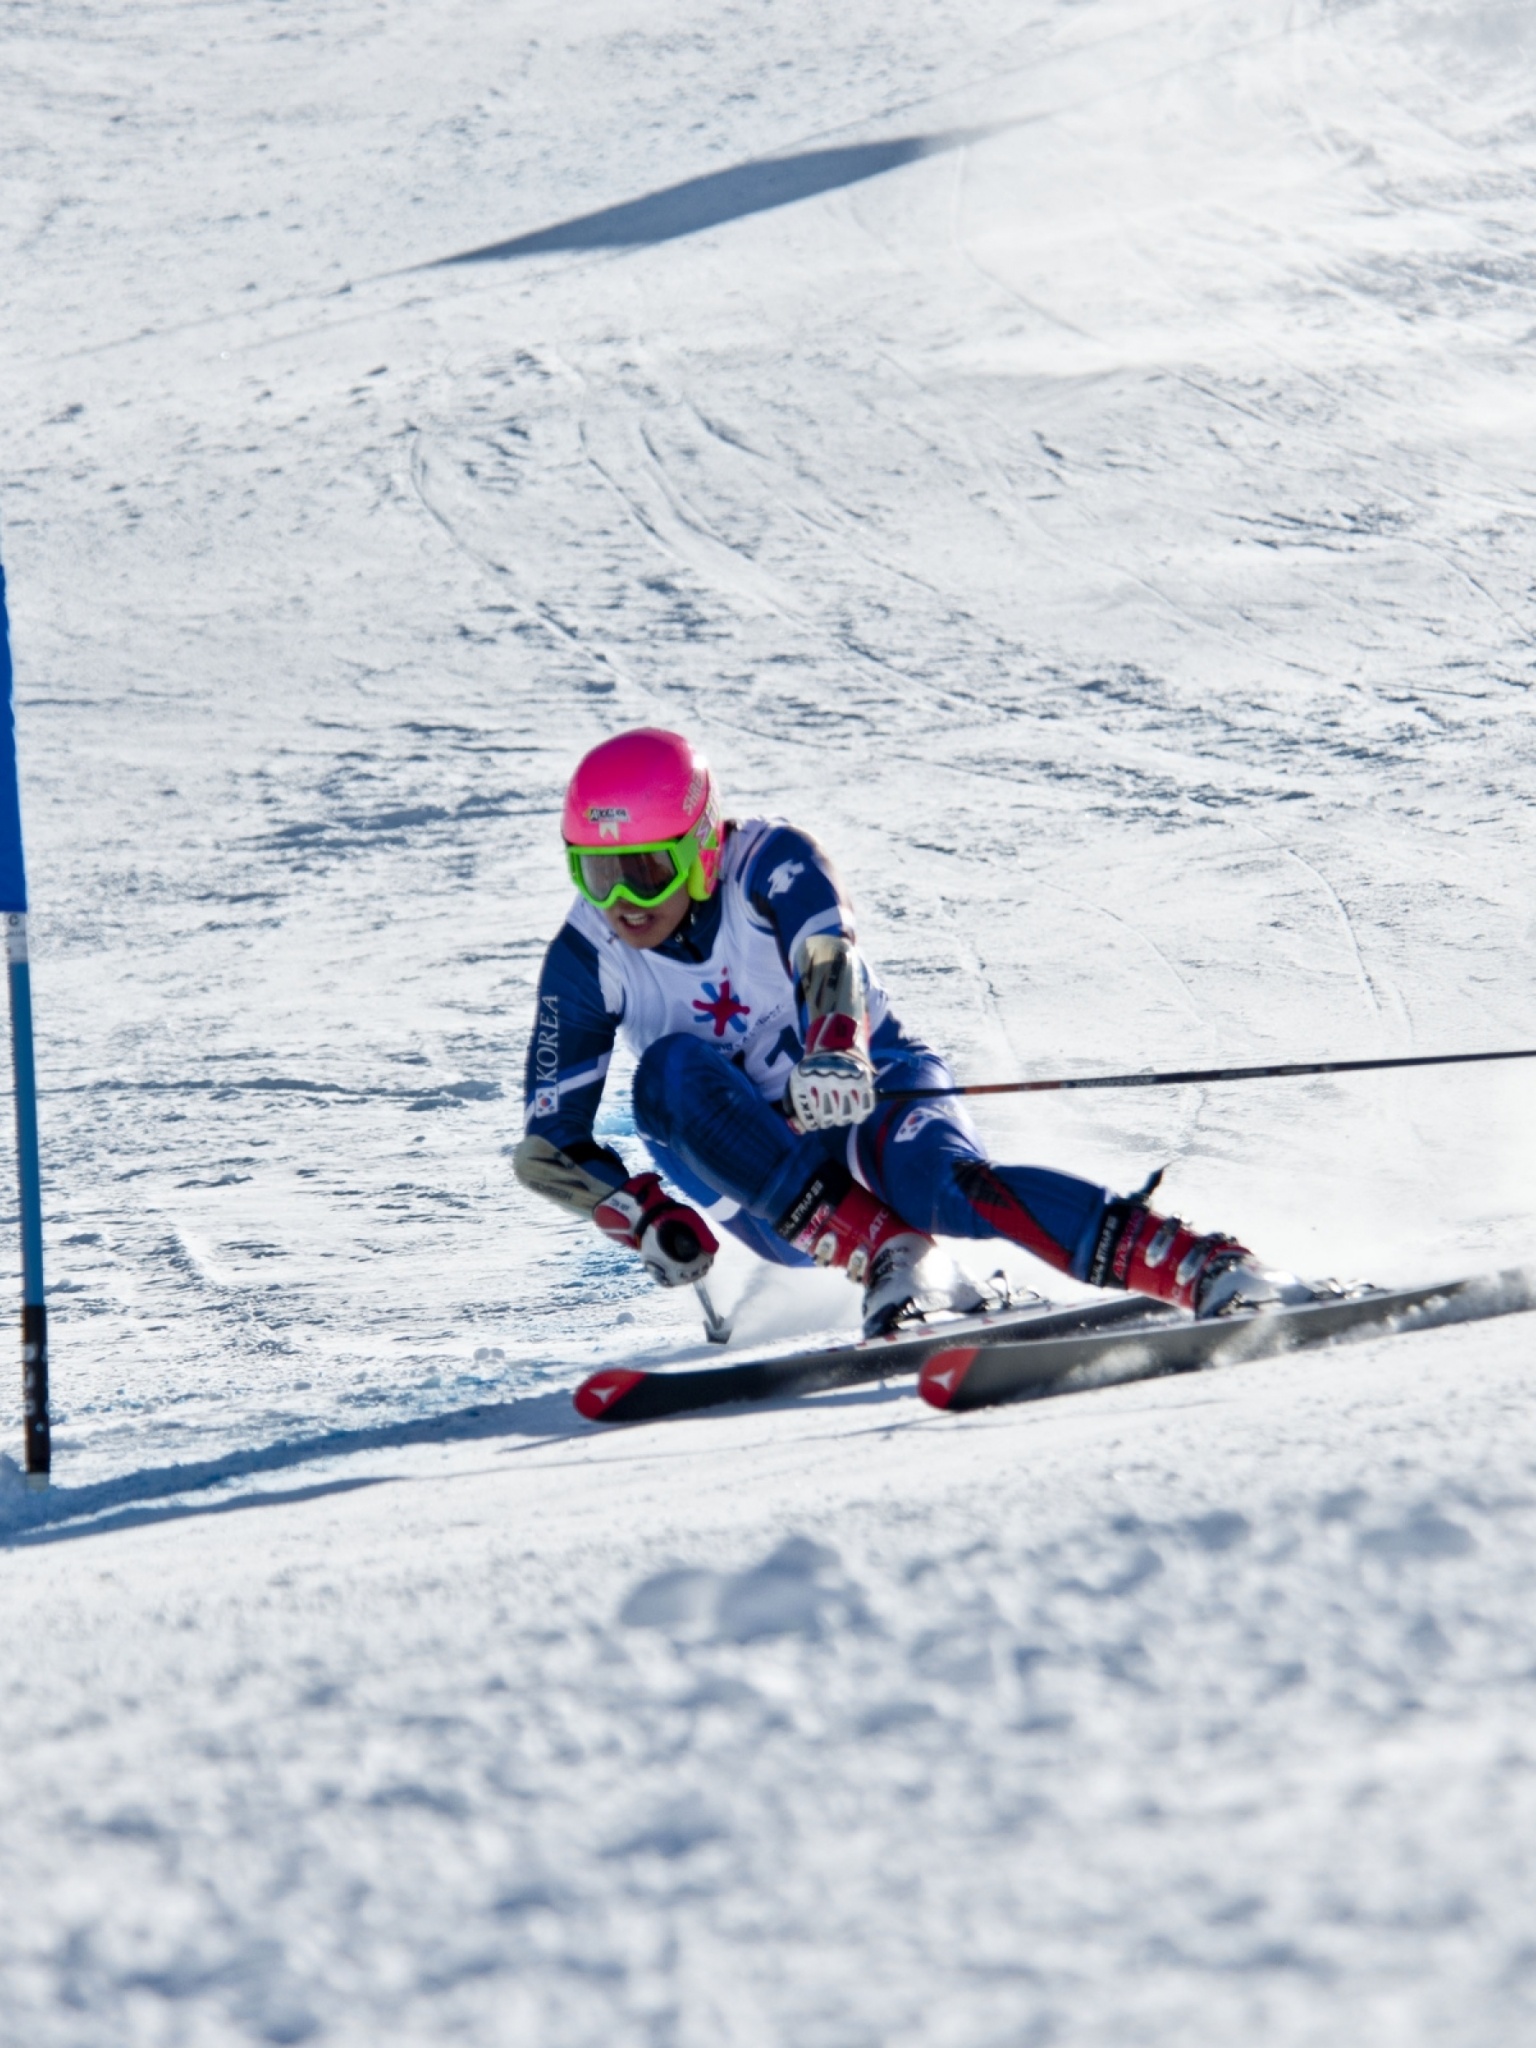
<point>968,1374</point>
<point>626,1394</point>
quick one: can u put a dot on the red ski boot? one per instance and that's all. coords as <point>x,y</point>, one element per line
<point>1210,1275</point>
<point>839,1223</point>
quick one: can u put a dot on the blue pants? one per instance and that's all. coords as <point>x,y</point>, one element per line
<point>712,1134</point>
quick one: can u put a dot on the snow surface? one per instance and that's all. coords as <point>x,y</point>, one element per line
<point>1074,458</point>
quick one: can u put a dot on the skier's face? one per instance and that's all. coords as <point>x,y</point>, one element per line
<point>644,928</point>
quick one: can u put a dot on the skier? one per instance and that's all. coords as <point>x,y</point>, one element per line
<point>770,1065</point>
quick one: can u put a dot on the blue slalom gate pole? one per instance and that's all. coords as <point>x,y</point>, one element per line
<point>13,908</point>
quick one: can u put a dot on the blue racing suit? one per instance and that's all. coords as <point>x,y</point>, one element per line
<point>715,1018</point>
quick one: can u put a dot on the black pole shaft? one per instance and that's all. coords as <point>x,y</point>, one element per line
<point>34,1314</point>
<point>1189,1075</point>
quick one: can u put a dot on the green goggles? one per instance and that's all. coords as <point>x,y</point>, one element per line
<point>642,875</point>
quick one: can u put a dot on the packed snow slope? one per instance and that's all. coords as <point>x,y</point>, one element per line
<point>1075,459</point>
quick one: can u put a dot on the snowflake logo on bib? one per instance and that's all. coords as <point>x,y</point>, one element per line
<point>722,1010</point>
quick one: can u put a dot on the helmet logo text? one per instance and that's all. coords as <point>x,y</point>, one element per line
<point>607,818</point>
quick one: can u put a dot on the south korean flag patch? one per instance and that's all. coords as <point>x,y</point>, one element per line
<point>916,1119</point>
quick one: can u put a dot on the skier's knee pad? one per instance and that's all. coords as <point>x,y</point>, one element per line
<point>697,1104</point>
<point>911,1155</point>
<point>668,1075</point>
<point>654,1088</point>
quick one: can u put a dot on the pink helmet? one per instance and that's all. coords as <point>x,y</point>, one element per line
<point>646,788</point>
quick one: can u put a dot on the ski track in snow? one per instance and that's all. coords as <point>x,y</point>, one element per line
<point>1110,529</point>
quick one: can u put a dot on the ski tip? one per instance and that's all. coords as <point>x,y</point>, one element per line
<point>597,1397</point>
<point>939,1381</point>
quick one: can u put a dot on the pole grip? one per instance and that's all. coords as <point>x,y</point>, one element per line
<point>34,1313</point>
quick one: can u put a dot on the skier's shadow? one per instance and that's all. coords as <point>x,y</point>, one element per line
<point>60,1514</point>
<point>173,1511</point>
<point>758,186</point>
<point>63,1514</point>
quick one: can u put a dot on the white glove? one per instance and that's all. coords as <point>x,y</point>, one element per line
<point>835,1080</point>
<point>831,1088</point>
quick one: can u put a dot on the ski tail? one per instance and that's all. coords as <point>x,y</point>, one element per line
<point>942,1377</point>
<point>633,1394</point>
<point>600,1398</point>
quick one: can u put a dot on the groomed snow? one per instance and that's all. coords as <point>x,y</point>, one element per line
<point>1085,477</point>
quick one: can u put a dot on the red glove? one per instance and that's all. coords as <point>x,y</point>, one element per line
<point>675,1244</point>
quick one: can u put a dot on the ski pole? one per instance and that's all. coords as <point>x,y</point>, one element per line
<point>717,1328</point>
<point>1188,1075</point>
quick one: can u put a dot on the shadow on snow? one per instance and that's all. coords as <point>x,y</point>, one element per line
<point>61,1513</point>
<point>719,196</point>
